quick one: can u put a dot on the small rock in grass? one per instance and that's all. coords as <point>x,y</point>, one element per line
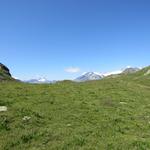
<point>26,118</point>
<point>3,108</point>
<point>68,125</point>
<point>123,103</point>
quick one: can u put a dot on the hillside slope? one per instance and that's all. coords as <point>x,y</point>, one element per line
<point>4,73</point>
<point>108,114</point>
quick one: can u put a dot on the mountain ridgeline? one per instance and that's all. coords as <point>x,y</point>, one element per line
<point>5,75</point>
<point>130,70</point>
<point>95,76</point>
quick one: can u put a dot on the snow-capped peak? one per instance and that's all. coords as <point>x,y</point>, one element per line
<point>89,76</point>
<point>112,73</point>
<point>38,80</point>
<point>42,79</point>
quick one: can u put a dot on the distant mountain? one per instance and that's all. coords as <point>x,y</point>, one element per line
<point>96,76</point>
<point>117,72</point>
<point>89,76</point>
<point>39,80</point>
<point>130,70</point>
<point>5,73</point>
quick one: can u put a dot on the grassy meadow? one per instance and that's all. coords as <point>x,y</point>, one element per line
<point>109,114</point>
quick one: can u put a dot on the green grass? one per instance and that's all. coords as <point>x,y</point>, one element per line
<point>77,116</point>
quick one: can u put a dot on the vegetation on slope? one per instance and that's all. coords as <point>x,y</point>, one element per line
<point>4,73</point>
<point>109,114</point>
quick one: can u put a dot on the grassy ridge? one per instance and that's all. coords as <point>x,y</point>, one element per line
<point>113,113</point>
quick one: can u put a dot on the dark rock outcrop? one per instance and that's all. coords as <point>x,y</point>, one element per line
<point>4,73</point>
<point>4,69</point>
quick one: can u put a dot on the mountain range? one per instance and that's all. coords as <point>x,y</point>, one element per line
<point>88,76</point>
<point>96,76</point>
<point>38,80</point>
<point>5,74</point>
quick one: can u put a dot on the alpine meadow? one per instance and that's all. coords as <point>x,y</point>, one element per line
<point>110,114</point>
<point>74,74</point>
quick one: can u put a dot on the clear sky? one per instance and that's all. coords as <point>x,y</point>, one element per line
<point>53,38</point>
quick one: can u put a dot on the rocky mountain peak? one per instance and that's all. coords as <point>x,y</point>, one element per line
<point>89,76</point>
<point>4,72</point>
<point>130,70</point>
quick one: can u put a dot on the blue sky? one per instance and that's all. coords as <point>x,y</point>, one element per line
<point>54,37</point>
